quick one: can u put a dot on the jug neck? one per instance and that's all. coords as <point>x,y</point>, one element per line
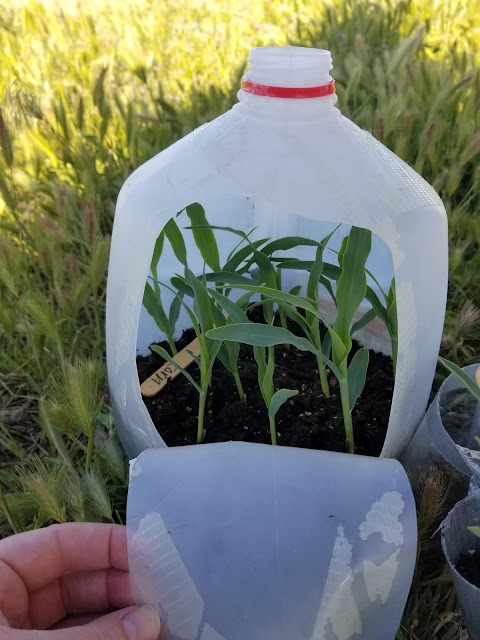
<point>291,82</point>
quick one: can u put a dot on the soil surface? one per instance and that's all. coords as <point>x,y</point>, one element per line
<point>469,566</point>
<point>308,420</point>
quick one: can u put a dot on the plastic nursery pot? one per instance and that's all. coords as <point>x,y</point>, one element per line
<point>458,542</point>
<point>240,540</point>
<point>446,435</point>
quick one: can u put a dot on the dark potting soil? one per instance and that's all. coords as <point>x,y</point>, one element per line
<point>469,566</point>
<point>308,420</point>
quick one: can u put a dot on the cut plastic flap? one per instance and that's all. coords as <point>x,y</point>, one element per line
<point>237,540</point>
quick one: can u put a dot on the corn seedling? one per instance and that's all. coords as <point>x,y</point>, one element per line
<point>202,309</point>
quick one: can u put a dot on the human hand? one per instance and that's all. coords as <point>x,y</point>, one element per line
<point>57,583</point>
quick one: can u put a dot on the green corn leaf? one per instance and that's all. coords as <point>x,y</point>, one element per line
<point>153,304</point>
<point>343,247</point>
<point>214,349</point>
<point>236,259</point>
<point>218,316</point>
<point>352,284</point>
<point>294,291</point>
<point>259,355</point>
<point>223,356</point>
<point>234,311</point>
<point>328,286</point>
<point>201,301</point>
<point>175,311</point>
<point>229,277</point>
<point>266,269</point>
<point>264,335</point>
<point>378,307</point>
<point>181,286</point>
<point>281,296</point>
<point>293,264</point>
<point>266,383</point>
<point>191,315</point>
<point>157,253</point>
<point>475,531</point>
<point>233,349</point>
<point>215,227</point>
<point>161,351</point>
<point>278,399</point>
<point>471,384</point>
<point>289,242</point>
<point>327,344</point>
<point>363,321</point>
<point>315,275</point>
<point>244,300</point>
<point>204,236</point>
<point>294,315</point>
<point>174,235</point>
<point>357,372</point>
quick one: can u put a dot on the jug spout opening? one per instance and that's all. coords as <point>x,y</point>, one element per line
<point>290,67</point>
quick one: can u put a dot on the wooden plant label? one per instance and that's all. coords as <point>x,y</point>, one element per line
<point>155,383</point>
<point>477,376</point>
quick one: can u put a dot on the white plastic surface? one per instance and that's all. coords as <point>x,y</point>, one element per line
<point>242,541</point>
<point>283,165</point>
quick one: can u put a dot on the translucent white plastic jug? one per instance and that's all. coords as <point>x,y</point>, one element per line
<point>285,166</point>
<point>236,541</point>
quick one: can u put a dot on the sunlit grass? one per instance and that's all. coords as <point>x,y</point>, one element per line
<point>88,91</point>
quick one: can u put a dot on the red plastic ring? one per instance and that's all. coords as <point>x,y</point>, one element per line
<point>288,92</point>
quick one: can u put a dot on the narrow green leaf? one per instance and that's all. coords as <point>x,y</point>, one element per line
<point>294,291</point>
<point>279,398</point>
<point>157,254</point>
<point>475,531</point>
<point>363,321</point>
<point>357,372</point>
<point>161,351</point>
<point>259,355</point>
<point>471,384</point>
<point>234,311</point>
<point>264,335</point>
<point>153,305</point>
<point>236,259</point>
<point>204,238</point>
<point>229,277</point>
<point>201,301</point>
<point>266,383</point>
<point>352,284</point>
<point>289,242</point>
<point>174,235</point>
<point>342,250</point>
<point>181,286</point>
<point>315,275</point>
<point>175,311</point>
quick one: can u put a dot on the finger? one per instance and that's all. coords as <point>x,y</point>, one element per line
<point>39,557</point>
<point>81,592</point>
<point>134,623</point>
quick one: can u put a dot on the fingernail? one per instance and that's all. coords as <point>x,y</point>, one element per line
<point>142,623</point>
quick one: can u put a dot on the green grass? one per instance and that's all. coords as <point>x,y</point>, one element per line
<point>88,92</point>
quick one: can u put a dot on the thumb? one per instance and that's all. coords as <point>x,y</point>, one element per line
<point>133,623</point>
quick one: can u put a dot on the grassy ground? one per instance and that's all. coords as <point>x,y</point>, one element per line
<point>91,90</point>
